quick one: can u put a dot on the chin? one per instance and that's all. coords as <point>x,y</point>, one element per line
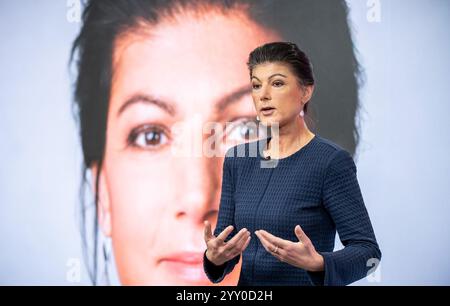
<point>270,122</point>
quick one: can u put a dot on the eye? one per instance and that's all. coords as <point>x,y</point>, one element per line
<point>148,137</point>
<point>278,83</point>
<point>255,86</point>
<point>242,130</point>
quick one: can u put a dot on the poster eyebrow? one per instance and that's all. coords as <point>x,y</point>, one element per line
<point>233,97</point>
<point>148,99</point>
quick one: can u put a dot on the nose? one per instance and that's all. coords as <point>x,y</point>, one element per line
<point>265,93</point>
<point>199,195</point>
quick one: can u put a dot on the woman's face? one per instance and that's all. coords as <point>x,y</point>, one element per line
<point>151,201</point>
<point>274,86</point>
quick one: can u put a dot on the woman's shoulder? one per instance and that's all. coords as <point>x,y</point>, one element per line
<point>333,154</point>
<point>327,146</point>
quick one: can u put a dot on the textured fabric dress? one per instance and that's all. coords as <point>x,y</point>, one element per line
<point>316,188</point>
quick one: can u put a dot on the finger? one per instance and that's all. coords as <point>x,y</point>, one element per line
<point>266,243</point>
<point>241,234</point>
<point>225,233</point>
<point>246,244</point>
<point>301,235</point>
<point>239,247</point>
<point>207,232</point>
<point>241,242</point>
<point>274,239</point>
<point>281,254</point>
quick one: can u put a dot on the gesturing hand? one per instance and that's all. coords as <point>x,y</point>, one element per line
<point>301,254</point>
<point>219,251</point>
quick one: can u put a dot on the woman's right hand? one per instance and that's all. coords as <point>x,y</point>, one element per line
<point>218,251</point>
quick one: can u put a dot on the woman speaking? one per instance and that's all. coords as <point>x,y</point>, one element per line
<point>295,207</point>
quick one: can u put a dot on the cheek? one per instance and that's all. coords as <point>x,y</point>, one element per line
<point>289,98</point>
<point>138,195</point>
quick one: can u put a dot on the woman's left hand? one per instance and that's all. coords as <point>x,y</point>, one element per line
<point>301,254</point>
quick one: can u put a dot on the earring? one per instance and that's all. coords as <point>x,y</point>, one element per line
<point>302,113</point>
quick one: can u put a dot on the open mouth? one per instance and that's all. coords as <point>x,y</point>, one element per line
<point>268,110</point>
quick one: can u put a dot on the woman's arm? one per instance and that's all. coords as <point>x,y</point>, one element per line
<point>343,200</point>
<point>225,218</point>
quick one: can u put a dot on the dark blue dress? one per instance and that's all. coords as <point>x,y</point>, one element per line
<point>317,188</point>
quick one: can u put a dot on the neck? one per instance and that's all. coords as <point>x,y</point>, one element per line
<point>291,138</point>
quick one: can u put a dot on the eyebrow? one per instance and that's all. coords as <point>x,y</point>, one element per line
<point>147,99</point>
<point>233,97</point>
<point>170,107</point>
<point>271,76</point>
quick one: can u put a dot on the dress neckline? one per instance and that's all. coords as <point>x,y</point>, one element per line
<point>286,157</point>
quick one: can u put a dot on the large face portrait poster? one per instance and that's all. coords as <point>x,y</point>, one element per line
<point>106,108</point>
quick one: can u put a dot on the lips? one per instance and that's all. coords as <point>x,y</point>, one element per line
<point>267,110</point>
<point>187,266</point>
<point>192,258</point>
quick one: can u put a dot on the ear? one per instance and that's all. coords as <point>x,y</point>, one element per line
<point>103,205</point>
<point>307,93</point>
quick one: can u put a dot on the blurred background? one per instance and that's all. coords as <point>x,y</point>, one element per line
<point>402,157</point>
